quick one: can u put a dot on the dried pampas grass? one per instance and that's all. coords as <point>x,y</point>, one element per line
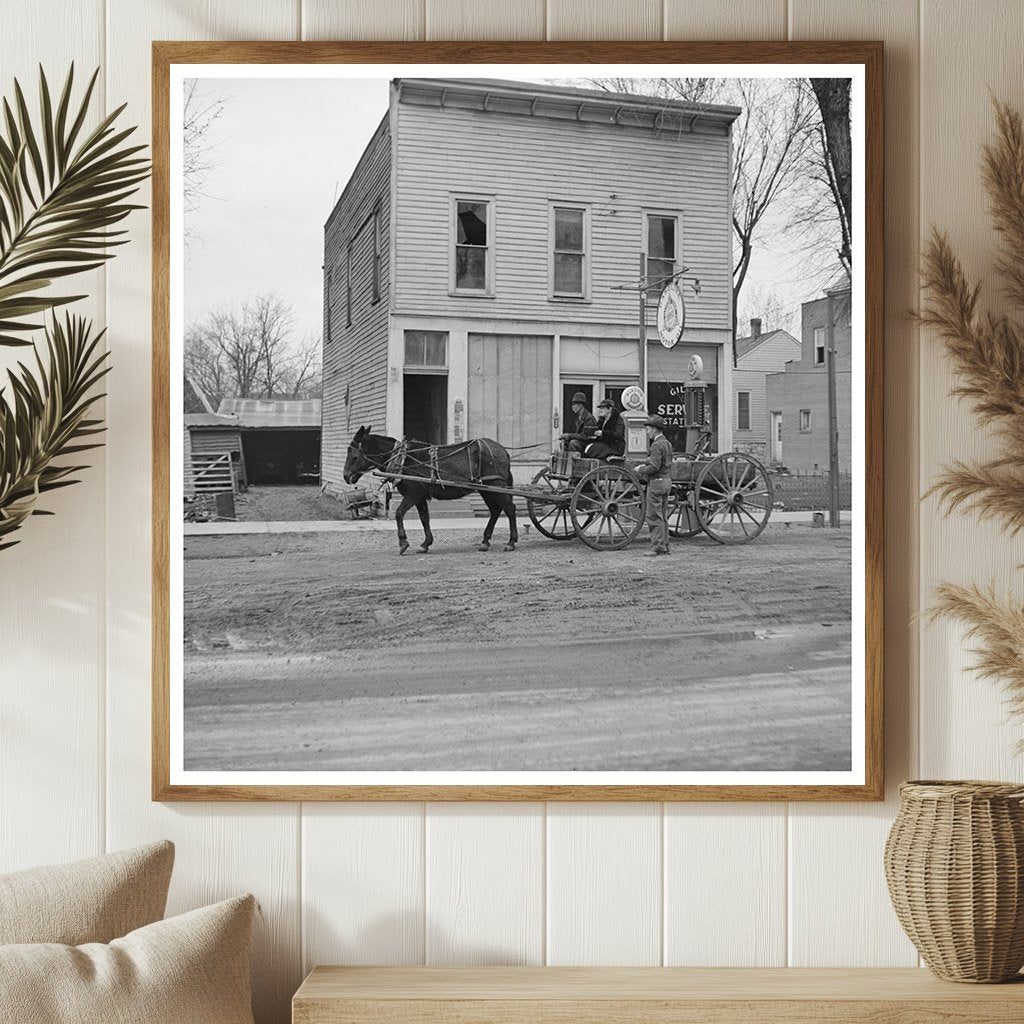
<point>987,354</point>
<point>997,630</point>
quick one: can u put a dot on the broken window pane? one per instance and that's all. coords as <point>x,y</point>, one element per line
<point>661,237</point>
<point>472,222</point>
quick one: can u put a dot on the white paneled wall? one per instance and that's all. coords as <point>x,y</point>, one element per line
<point>743,884</point>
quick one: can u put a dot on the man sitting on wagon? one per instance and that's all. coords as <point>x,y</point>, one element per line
<point>580,426</point>
<point>609,437</point>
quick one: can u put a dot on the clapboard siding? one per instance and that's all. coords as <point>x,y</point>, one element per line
<point>619,171</point>
<point>356,354</point>
<point>770,356</point>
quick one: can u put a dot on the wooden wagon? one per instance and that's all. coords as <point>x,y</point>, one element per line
<point>728,497</point>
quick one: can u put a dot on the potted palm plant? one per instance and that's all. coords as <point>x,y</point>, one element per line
<point>64,188</point>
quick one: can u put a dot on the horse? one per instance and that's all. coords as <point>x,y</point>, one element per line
<point>478,462</point>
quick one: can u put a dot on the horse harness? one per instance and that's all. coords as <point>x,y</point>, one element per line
<point>402,457</point>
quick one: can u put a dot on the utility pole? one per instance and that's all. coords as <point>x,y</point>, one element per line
<point>833,417</point>
<point>643,325</point>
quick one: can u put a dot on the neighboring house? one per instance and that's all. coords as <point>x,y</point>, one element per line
<point>255,441</point>
<point>757,355</point>
<point>481,264</point>
<point>798,397</point>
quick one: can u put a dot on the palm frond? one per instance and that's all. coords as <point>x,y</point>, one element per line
<point>62,191</point>
<point>45,418</point>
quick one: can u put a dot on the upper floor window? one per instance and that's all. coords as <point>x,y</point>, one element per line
<point>661,252</point>
<point>348,285</point>
<point>472,230</point>
<point>743,410</point>
<point>805,420</point>
<point>569,245</point>
<point>375,281</point>
<point>819,346</point>
<point>329,305</point>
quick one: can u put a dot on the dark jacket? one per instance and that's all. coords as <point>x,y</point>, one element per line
<point>659,460</point>
<point>609,437</point>
<point>583,426</point>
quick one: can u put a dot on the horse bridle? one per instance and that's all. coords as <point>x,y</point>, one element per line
<point>382,466</point>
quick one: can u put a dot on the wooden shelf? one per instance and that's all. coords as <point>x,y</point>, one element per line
<point>652,995</point>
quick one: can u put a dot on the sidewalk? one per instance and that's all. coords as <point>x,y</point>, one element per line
<point>412,522</point>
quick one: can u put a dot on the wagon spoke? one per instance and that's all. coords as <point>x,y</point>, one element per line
<point>754,520</point>
<point>734,498</point>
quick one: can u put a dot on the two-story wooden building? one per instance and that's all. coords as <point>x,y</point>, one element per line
<point>481,264</point>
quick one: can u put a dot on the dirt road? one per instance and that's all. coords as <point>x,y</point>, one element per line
<point>329,651</point>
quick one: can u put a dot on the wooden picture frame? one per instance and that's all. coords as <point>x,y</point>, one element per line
<point>868,55</point>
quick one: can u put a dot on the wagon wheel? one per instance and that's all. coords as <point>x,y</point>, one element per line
<point>734,498</point>
<point>682,519</point>
<point>607,507</point>
<point>550,514</point>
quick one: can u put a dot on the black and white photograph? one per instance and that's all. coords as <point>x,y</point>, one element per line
<point>517,429</point>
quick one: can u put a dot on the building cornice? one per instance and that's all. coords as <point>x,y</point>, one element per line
<point>566,103</point>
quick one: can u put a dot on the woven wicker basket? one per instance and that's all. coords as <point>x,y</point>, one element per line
<point>954,861</point>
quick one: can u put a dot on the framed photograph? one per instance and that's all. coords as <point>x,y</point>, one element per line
<point>517,420</point>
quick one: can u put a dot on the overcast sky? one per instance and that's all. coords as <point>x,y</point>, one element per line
<point>283,150</point>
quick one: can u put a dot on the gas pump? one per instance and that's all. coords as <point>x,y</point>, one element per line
<point>634,415</point>
<point>697,414</point>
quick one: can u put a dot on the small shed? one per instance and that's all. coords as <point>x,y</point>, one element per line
<point>279,438</point>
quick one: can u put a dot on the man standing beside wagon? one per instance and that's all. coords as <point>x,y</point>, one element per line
<point>657,471</point>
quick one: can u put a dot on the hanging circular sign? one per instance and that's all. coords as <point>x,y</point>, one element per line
<point>671,315</point>
<point>633,399</point>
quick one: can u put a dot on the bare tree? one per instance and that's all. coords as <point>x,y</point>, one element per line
<point>201,111</point>
<point>770,149</point>
<point>772,139</point>
<point>269,322</point>
<point>203,363</point>
<point>693,90</point>
<point>833,96</point>
<point>765,303</point>
<point>252,353</point>
<point>303,376</point>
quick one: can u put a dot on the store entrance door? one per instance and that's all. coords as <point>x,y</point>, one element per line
<point>569,388</point>
<point>426,407</point>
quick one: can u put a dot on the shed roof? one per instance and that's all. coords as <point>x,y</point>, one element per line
<point>209,419</point>
<point>271,414</point>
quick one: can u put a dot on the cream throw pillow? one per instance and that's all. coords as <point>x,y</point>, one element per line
<point>191,969</point>
<point>93,900</point>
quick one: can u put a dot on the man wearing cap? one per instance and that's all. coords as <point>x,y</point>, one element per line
<point>581,426</point>
<point>610,436</point>
<point>657,471</point>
